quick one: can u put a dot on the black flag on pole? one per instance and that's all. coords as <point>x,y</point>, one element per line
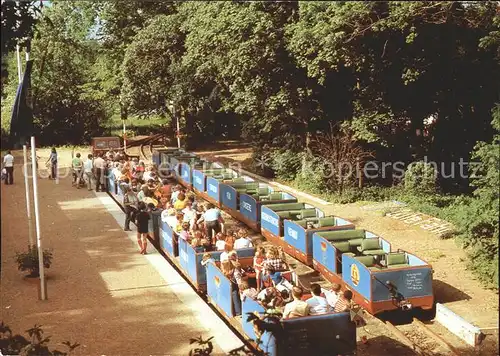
<point>21,124</point>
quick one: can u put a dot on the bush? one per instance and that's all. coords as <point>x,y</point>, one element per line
<point>420,177</point>
<point>286,164</point>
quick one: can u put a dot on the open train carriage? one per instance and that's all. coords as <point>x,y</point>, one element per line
<point>381,280</point>
<point>190,262</point>
<point>298,234</point>
<point>161,157</point>
<point>206,182</point>
<point>298,241</point>
<point>169,240</point>
<point>185,166</point>
<point>327,334</point>
<point>242,198</point>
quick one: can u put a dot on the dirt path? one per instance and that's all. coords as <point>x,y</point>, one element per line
<point>454,285</point>
<point>102,292</point>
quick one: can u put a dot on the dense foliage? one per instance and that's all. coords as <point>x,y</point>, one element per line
<point>398,81</point>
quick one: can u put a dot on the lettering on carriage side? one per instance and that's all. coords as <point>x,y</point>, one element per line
<point>212,188</point>
<point>246,206</point>
<point>228,195</point>
<point>270,219</point>
<point>197,179</point>
<point>354,274</point>
<point>414,281</point>
<point>293,234</point>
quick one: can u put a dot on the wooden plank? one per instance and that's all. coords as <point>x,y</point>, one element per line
<point>457,325</point>
<point>436,337</point>
<point>404,338</point>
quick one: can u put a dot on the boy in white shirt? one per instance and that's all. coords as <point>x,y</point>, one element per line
<point>317,304</point>
<point>8,164</point>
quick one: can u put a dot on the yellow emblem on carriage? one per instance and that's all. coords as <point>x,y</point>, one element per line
<point>323,246</point>
<point>354,274</point>
<point>217,281</point>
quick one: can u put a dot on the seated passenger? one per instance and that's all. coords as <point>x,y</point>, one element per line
<point>176,192</point>
<point>221,242</point>
<point>298,307</point>
<point>196,244</point>
<point>189,214</point>
<point>184,233</point>
<point>239,273</point>
<point>178,225</point>
<point>169,216</point>
<point>181,202</point>
<point>333,295</point>
<point>243,241</point>
<point>166,189</point>
<point>206,259</point>
<point>194,203</point>
<point>247,291</point>
<point>143,193</point>
<point>271,298</point>
<point>317,304</point>
<point>344,303</point>
<point>273,265</point>
<point>258,259</point>
<point>135,185</point>
<point>224,256</point>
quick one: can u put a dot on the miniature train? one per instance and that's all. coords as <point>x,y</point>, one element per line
<point>380,279</point>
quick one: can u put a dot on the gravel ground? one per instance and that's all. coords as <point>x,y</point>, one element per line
<point>101,292</point>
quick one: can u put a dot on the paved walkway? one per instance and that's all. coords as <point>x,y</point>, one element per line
<point>102,292</point>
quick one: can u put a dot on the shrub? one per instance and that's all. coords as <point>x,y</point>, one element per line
<point>420,177</point>
<point>286,164</point>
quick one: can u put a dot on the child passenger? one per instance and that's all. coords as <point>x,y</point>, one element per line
<point>142,221</point>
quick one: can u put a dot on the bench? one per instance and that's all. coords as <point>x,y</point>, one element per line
<point>286,206</point>
<point>396,260</point>
<point>371,247</point>
<point>368,261</point>
<point>353,236</point>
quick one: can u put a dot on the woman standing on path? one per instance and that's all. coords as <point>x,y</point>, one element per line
<point>142,221</point>
<point>53,163</point>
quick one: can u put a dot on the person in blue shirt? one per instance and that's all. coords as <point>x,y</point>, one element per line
<point>213,221</point>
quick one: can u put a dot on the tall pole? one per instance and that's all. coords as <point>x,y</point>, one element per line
<point>37,222</point>
<point>28,203</point>
<point>178,128</point>
<point>19,71</point>
<point>124,137</point>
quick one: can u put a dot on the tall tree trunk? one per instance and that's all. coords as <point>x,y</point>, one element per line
<point>308,153</point>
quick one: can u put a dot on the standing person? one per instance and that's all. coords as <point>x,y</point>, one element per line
<point>53,163</point>
<point>333,295</point>
<point>258,260</point>
<point>142,221</point>
<point>130,203</point>
<point>99,165</point>
<point>8,164</point>
<point>77,164</point>
<point>88,166</point>
<point>213,220</point>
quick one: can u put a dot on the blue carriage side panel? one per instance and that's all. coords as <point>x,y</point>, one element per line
<point>156,158</point>
<point>185,172</point>
<point>269,220</point>
<point>201,271</point>
<point>228,196</point>
<point>416,282</point>
<point>324,253</point>
<point>219,289</point>
<point>248,207</point>
<point>357,276</point>
<point>267,340</point>
<point>213,188</point>
<point>198,180</point>
<point>295,235</point>
<point>320,335</point>
<point>167,239</point>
